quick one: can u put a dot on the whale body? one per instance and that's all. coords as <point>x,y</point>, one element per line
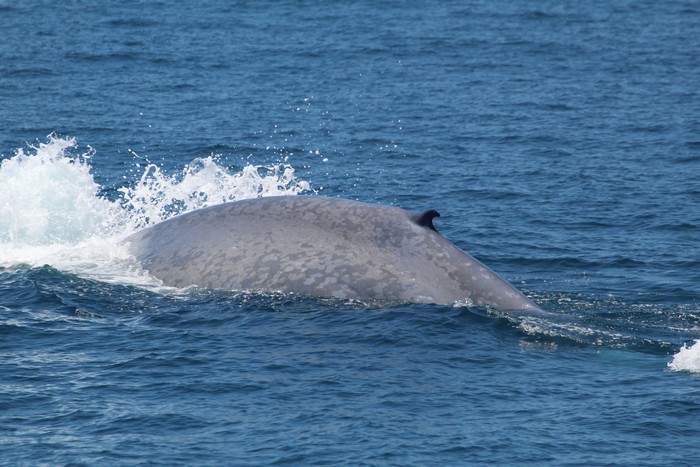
<point>323,247</point>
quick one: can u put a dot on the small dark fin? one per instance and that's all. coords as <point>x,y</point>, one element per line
<point>425,219</point>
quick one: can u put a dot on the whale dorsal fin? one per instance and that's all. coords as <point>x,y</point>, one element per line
<point>425,219</point>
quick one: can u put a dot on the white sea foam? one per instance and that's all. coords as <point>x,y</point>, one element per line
<point>687,358</point>
<point>47,197</point>
<point>52,212</point>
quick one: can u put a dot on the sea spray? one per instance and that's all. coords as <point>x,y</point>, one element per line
<point>49,197</point>
<point>687,358</point>
<point>204,182</point>
<point>52,212</point>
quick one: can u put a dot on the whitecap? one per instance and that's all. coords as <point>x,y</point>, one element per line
<point>687,358</point>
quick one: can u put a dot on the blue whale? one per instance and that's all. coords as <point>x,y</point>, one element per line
<point>323,247</point>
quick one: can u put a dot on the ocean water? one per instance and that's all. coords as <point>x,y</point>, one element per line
<point>559,140</point>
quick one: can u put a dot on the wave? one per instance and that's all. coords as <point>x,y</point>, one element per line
<point>649,328</point>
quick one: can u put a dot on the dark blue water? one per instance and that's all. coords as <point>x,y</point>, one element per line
<point>559,140</point>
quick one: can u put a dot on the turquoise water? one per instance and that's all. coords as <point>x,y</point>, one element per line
<point>558,140</point>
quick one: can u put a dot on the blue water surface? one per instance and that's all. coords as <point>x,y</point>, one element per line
<point>560,141</point>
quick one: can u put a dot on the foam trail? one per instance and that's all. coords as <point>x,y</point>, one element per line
<point>687,358</point>
<point>52,212</point>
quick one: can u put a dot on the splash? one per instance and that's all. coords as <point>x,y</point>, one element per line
<point>52,212</point>
<point>158,196</point>
<point>50,198</point>
<point>687,358</point>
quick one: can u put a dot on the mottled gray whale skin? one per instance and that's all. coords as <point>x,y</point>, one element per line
<point>319,246</point>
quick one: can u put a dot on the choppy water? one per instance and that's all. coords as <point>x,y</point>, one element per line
<point>559,140</point>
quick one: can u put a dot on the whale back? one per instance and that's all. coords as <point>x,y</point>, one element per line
<point>326,247</point>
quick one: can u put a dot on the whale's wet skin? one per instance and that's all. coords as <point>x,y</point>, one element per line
<point>325,247</point>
